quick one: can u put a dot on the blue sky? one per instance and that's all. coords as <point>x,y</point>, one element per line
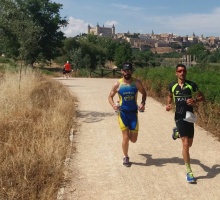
<point>181,17</point>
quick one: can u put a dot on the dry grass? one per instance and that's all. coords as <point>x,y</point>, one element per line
<point>35,122</point>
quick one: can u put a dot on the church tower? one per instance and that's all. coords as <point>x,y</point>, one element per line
<point>89,28</point>
<point>113,30</point>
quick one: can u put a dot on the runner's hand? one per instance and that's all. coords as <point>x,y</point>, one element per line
<point>168,107</point>
<point>115,107</point>
<point>191,102</point>
<point>141,108</point>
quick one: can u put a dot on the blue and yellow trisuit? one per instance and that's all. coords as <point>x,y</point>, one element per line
<point>128,117</point>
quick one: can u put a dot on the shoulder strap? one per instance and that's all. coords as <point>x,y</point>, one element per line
<point>120,80</point>
<point>174,87</point>
<point>189,86</point>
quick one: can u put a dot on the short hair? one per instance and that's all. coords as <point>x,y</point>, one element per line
<point>181,65</point>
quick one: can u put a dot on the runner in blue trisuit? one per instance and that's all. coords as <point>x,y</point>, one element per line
<point>127,88</point>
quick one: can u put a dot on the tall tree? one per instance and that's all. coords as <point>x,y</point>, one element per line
<point>38,21</point>
<point>110,45</point>
<point>123,53</point>
<point>199,51</point>
<point>96,53</point>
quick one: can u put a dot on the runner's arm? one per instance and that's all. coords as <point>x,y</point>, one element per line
<point>169,101</point>
<point>199,97</point>
<point>112,94</point>
<point>141,89</point>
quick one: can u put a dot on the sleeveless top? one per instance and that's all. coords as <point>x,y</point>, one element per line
<point>128,96</point>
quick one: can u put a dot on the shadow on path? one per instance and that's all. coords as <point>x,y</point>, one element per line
<point>160,162</point>
<point>73,85</point>
<point>93,116</point>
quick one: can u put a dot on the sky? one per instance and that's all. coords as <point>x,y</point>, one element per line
<point>181,17</point>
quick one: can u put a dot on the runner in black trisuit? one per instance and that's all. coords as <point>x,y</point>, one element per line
<point>185,95</point>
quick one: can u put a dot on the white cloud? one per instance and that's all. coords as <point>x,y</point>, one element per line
<point>197,23</point>
<point>78,26</point>
<point>186,24</point>
<point>110,23</point>
<point>75,27</point>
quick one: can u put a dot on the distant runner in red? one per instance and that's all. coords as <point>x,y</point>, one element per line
<point>67,69</point>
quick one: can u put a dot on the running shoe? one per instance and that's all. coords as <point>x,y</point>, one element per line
<point>126,161</point>
<point>175,134</point>
<point>190,178</point>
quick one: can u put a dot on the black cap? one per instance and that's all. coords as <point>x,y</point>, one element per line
<point>127,66</point>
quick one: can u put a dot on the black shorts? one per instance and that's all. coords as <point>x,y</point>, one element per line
<point>185,128</point>
<point>66,71</point>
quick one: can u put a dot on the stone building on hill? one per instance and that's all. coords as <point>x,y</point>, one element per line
<point>102,31</point>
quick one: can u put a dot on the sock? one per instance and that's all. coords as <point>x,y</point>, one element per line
<point>188,168</point>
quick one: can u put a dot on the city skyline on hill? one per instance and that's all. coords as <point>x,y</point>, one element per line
<point>162,16</point>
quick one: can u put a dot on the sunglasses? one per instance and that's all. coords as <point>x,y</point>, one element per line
<point>179,71</point>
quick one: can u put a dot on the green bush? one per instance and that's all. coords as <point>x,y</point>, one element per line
<point>208,79</point>
<point>7,64</point>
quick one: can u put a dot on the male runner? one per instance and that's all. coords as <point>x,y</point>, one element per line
<point>185,94</point>
<point>66,69</point>
<point>127,88</point>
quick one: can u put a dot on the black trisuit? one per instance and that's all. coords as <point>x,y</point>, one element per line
<point>180,95</point>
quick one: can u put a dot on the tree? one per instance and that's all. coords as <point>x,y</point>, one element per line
<point>142,58</point>
<point>123,53</point>
<point>110,46</point>
<point>195,48</point>
<point>199,51</point>
<point>77,58</point>
<point>33,26</point>
<point>69,45</point>
<point>97,53</point>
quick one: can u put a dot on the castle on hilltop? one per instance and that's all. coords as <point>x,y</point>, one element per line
<point>157,43</point>
<point>101,31</point>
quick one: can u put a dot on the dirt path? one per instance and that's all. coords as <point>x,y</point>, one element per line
<point>157,170</point>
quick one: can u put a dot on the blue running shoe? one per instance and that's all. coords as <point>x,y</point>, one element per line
<point>190,178</point>
<point>175,134</point>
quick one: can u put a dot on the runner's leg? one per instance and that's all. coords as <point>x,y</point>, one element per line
<point>187,143</point>
<point>125,142</point>
<point>133,136</point>
<point>185,150</point>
